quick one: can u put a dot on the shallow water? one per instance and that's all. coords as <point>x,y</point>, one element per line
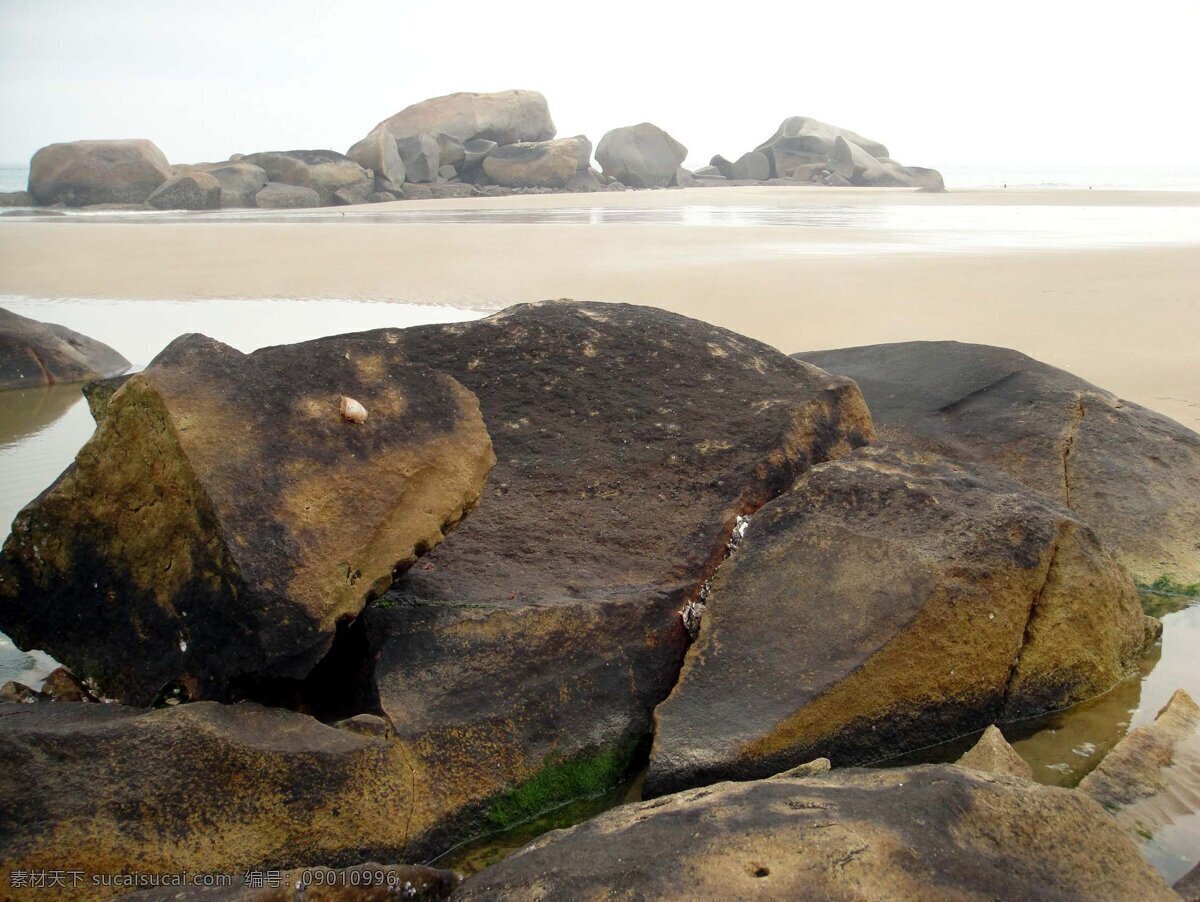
<point>41,430</point>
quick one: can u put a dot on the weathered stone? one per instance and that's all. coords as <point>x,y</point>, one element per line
<point>187,191</point>
<point>850,161</point>
<point>421,156</point>
<point>98,392</point>
<point>709,172</point>
<point>545,164</point>
<point>584,180</point>
<point>381,197</point>
<point>358,193</point>
<point>79,173</point>
<point>12,691</point>
<point>378,152</point>
<point>451,150</point>
<point>753,166</point>
<point>640,156</point>
<point>506,117</point>
<point>786,154</point>
<point>683,178</point>
<point>447,172</point>
<point>820,138</point>
<point>16,199</point>
<point>475,152</point>
<point>240,182</point>
<point>202,788</point>
<point>1151,780</point>
<point>224,518</point>
<point>34,353</point>
<point>451,189</point>
<point>523,657</point>
<point>1188,886</point>
<point>412,191</point>
<point>910,833</point>
<point>370,882</point>
<point>1130,473</point>
<point>278,196</point>
<point>325,171</point>
<point>993,755</point>
<point>63,686</point>
<point>889,601</point>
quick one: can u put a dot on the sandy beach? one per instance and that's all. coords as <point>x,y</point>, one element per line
<point>1123,317</point>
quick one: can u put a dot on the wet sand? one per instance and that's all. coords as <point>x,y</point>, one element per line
<point>1125,318</point>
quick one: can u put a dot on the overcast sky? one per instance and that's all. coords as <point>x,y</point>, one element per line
<point>941,83</point>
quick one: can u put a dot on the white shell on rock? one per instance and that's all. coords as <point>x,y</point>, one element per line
<point>353,411</point>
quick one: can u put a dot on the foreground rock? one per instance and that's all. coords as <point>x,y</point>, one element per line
<point>523,657</point>
<point>80,173</point>
<point>993,755</point>
<point>33,353</point>
<point>506,117</point>
<point>1131,473</point>
<point>203,788</point>
<point>324,171</point>
<point>926,832</point>
<point>1151,780</point>
<point>640,156</point>
<point>187,191</point>
<point>227,517</point>
<point>544,164</point>
<point>889,601</point>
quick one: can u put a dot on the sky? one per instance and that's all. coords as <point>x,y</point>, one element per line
<point>1054,82</point>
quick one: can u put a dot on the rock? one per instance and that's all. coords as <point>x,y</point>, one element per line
<point>240,182</point>
<point>12,691</point>
<point>820,138</point>
<point>584,180</point>
<point>451,150</point>
<point>993,755</point>
<point>722,165</point>
<point>1151,780</point>
<point>416,192</point>
<point>753,166</point>
<point>447,172</point>
<point>786,154</point>
<point>63,686</point>
<point>1188,886</point>
<point>934,601</point>
<point>16,199</point>
<point>278,196</point>
<point>421,157</point>
<point>187,191</point>
<point>98,392</point>
<point>506,117</point>
<point>358,193</point>
<point>381,197</point>
<point>79,173</point>
<point>324,171</point>
<point>640,156</point>
<point>361,883</point>
<point>850,161</point>
<point>683,178</point>
<point>451,189</point>
<point>934,832</point>
<point>378,152</point>
<point>1117,465</point>
<point>34,353</point>
<point>475,152</point>
<point>545,164</point>
<point>226,519</point>
<point>709,172</point>
<point>925,179</point>
<point>202,788</point>
<point>523,657</point>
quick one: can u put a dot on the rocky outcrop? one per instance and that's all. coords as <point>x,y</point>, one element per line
<point>228,518</point>
<point>927,832</point>
<point>451,151</point>
<point>506,117</point>
<point>33,353</point>
<point>278,196</point>
<point>378,153</point>
<point>187,191</point>
<point>993,755</point>
<point>16,199</point>
<point>1117,465</point>
<point>80,173</point>
<point>1151,780</point>
<point>640,156</point>
<point>324,171</point>
<point>750,166</point>
<point>889,601</point>
<point>421,156</point>
<point>474,153</point>
<point>817,137</point>
<point>240,182</point>
<point>522,658</point>
<point>543,164</point>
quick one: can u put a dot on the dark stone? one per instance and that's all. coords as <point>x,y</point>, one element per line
<point>640,156</point>
<point>34,353</point>
<point>16,199</point>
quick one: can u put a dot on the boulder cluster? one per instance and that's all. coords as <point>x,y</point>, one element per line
<point>459,145</point>
<point>363,598</point>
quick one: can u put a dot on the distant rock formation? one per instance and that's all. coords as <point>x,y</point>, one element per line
<point>325,171</point>
<point>506,117</point>
<point>540,164</point>
<point>33,353</point>
<point>81,173</point>
<point>640,156</point>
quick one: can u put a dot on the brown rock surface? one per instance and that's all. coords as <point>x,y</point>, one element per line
<point>324,171</point>
<point>224,518</point>
<point>34,353</point>
<point>506,117</point>
<point>993,755</point>
<point>543,164</point>
<point>80,173</point>
<point>889,601</point>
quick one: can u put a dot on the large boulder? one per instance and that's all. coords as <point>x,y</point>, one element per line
<point>240,182</point>
<point>888,601</point>
<point>187,191</point>
<point>640,156</point>
<point>33,353</point>
<point>201,788</point>
<point>451,151</point>
<point>910,833</point>
<point>1151,781</point>
<point>80,173</point>
<point>543,164</point>
<point>378,153</point>
<point>278,196</point>
<point>526,654</point>
<point>787,154</point>
<point>506,117</point>
<point>325,171</point>
<point>820,137</point>
<point>1130,473</point>
<point>227,515</point>
<point>422,157</point>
